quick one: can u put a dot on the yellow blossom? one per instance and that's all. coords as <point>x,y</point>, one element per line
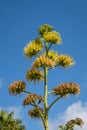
<point>33,47</point>
<point>43,61</point>
<point>34,75</point>
<point>52,55</point>
<point>65,61</point>
<point>44,28</point>
<point>52,37</point>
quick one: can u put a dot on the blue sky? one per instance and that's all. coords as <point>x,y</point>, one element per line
<point>19,21</point>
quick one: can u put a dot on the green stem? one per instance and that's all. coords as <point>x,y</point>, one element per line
<point>26,92</point>
<point>46,98</point>
<point>54,102</point>
<point>50,92</point>
<point>41,115</point>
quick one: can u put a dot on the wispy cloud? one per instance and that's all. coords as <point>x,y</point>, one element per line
<point>77,109</point>
<point>17,111</point>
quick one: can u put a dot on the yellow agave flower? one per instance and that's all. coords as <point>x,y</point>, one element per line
<point>52,55</point>
<point>34,75</point>
<point>44,28</point>
<point>65,61</point>
<point>52,37</point>
<point>32,48</point>
<point>43,61</point>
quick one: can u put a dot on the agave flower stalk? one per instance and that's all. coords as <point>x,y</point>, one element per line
<point>45,59</point>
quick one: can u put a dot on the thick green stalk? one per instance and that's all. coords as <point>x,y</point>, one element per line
<point>46,98</point>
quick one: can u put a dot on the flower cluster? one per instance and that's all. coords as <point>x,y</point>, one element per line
<point>66,88</point>
<point>79,121</point>
<point>34,113</point>
<point>52,37</point>
<point>70,124</point>
<point>43,61</point>
<point>65,61</point>
<point>31,99</point>
<point>53,55</point>
<point>44,28</point>
<point>34,75</point>
<point>73,122</point>
<point>17,87</point>
<point>33,47</point>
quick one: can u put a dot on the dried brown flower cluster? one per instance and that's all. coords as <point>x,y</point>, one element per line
<point>79,122</point>
<point>34,75</point>
<point>70,124</point>
<point>31,99</point>
<point>66,88</point>
<point>43,61</point>
<point>17,87</point>
<point>73,122</point>
<point>34,113</point>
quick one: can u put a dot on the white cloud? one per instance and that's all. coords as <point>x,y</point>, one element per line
<point>77,109</point>
<point>17,111</point>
